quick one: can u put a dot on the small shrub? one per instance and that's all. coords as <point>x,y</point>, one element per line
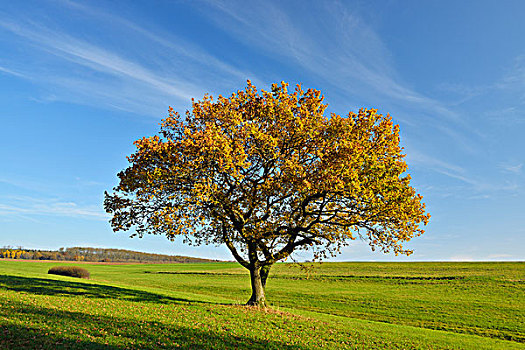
<point>72,271</point>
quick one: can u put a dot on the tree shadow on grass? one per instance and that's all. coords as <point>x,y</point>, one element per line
<point>18,337</point>
<point>70,288</point>
<point>49,328</point>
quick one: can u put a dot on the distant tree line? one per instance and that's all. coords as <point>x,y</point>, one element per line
<point>94,255</point>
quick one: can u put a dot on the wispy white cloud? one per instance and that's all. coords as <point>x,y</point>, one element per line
<point>23,183</point>
<point>94,57</point>
<point>511,83</point>
<point>445,168</point>
<point>86,182</point>
<point>168,70</point>
<point>464,92</point>
<point>12,72</point>
<point>354,59</point>
<point>29,207</point>
<point>479,188</point>
<point>182,47</point>
<point>515,77</point>
<point>510,115</point>
<point>416,157</point>
<point>512,168</point>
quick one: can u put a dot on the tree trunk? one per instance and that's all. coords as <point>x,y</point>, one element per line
<point>265,271</point>
<point>258,276</point>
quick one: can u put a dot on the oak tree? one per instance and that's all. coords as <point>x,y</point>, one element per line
<point>268,173</point>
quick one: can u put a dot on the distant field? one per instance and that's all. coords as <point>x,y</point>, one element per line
<point>194,306</point>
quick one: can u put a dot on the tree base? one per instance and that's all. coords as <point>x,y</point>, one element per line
<point>260,304</point>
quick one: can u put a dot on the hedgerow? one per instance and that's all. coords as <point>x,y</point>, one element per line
<point>72,271</point>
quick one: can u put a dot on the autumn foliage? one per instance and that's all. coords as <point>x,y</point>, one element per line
<point>268,173</point>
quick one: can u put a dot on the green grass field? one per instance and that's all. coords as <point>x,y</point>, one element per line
<point>199,306</point>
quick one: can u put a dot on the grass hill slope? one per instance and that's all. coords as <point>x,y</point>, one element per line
<point>198,306</point>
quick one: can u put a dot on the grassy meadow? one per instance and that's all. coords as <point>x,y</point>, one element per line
<point>199,306</point>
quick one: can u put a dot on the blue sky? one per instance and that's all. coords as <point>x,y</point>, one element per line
<point>80,81</point>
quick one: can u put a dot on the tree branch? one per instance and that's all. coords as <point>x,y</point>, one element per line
<point>232,249</point>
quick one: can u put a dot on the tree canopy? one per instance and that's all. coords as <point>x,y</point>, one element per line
<point>268,173</point>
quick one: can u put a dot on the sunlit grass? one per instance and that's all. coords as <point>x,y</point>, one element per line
<point>339,305</point>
